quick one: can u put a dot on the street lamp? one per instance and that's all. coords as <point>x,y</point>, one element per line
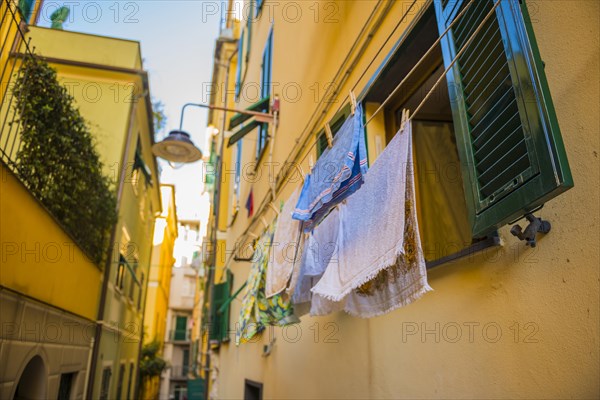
<point>178,147</point>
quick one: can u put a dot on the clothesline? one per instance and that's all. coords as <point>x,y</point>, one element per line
<point>404,80</point>
<point>417,109</point>
<point>462,50</point>
<point>414,68</point>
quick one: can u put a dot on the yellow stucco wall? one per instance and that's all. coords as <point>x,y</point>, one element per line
<point>39,259</point>
<point>528,318</point>
<point>111,91</point>
<point>159,283</point>
<point>106,50</point>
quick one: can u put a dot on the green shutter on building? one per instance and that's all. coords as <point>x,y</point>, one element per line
<point>180,328</point>
<point>219,316</point>
<point>26,8</point>
<point>511,150</point>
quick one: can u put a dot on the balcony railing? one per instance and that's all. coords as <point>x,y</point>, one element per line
<point>180,372</point>
<point>46,143</point>
<point>180,335</point>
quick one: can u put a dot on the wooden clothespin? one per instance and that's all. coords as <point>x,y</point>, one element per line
<point>300,172</point>
<point>352,102</point>
<point>405,118</point>
<point>274,208</point>
<point>328,135</point>
<point>311,162</point>
<point>264,222</point>
<point>252,235</point>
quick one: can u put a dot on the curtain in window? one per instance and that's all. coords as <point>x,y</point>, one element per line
<point>441,208</point>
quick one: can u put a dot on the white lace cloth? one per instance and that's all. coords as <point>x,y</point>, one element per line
<point>376,271</point>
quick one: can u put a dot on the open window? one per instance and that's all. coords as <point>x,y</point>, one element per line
<point>487,147</point>
<point>245,123</point>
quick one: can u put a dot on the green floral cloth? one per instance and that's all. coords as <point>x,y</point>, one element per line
<point>258,311</point>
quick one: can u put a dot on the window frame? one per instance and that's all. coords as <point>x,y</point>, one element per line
<point>548,173</point>
<point>266,83</point>
<point>478,245</point>
<point>120,275</point>
<point>105,383</point>
<point>185,331</point>
<point>120,380</point>
<point>130,379</point>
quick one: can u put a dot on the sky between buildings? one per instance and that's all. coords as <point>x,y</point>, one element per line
<point>177,40</point>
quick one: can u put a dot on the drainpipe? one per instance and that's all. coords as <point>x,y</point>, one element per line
<point>108,263</point>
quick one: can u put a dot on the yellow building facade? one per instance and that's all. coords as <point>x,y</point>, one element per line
<point>504,319</point>
<point>159,281</point>
<point>77,324</point>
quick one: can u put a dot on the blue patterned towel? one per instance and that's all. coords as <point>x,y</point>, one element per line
<point>337,174</point>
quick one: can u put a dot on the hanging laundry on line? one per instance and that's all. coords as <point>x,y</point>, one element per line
<point>257,311</point>
<point>338,173</point>
<point>286,242</point>
<point>380,264</point>
<point>320,250</point>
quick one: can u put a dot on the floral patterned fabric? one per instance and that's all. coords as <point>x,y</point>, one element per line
<point>257,310</point>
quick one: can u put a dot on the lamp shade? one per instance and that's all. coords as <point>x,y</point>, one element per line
<point>177,147</point>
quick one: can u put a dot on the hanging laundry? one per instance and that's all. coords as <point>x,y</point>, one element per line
<point>286,243</point>
<point>257,311</point>
<point>338,173</point>
<point>250,204</point>
<point>380,264</point>
<point>319,251</point>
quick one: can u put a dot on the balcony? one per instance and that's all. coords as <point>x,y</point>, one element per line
<point>180,372</point>
<point>46,144</point>
<point>181,336</point>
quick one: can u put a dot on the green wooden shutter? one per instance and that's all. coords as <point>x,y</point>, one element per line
<point>240,64</point>
<point>219,320</point>
<point>511,150</point>
<point>26,8</point>
<point>180,328</point>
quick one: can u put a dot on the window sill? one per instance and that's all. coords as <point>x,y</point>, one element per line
<point>489,242</point>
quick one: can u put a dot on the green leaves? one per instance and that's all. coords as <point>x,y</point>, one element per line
<point>150,363</point>
<point>58,161</point>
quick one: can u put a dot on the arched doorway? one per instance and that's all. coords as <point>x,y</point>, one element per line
<point>33,381</point>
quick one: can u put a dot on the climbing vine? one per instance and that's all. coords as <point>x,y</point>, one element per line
<point>58,160</point>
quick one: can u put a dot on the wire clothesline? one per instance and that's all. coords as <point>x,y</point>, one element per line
<point>417,109</point>
<point>391,95</point>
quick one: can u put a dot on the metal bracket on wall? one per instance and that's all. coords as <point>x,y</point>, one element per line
<point>529,234</point>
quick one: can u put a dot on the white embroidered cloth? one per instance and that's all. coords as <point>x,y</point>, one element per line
<point>380,264</point>
<point>285,244</point>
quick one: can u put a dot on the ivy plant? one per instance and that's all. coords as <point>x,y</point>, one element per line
<point>58,160</point>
